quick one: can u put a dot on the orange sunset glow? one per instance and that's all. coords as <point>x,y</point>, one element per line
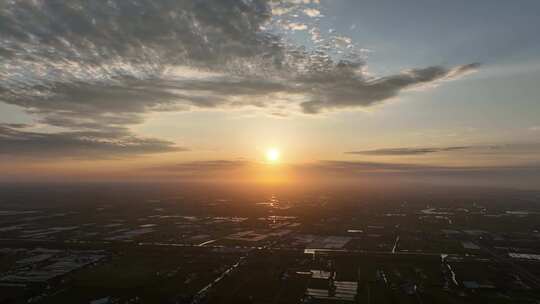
<point>269,151</point>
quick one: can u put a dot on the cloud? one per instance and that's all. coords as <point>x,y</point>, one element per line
<point>525,151</point>
<point>209,166</point>
<point>522,176</point>
<point>213,168</point>
<point>342,87</point>
<point>360,167</point>
<point>15,141</point>
<point>98,67</point>
<point>297,26</point>
<point>347,168</point>
<point>85,59</point>
<point>312,12</point>
<point>409,151</point>
<point>89,59</point>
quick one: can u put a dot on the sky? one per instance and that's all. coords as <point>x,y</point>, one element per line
<point>202,89</point>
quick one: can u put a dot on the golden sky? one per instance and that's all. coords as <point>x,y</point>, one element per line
<point>180,90</point>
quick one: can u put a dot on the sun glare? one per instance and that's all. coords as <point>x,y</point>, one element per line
<point>272,155</point>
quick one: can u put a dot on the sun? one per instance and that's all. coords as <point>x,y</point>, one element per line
<point>272,155</point>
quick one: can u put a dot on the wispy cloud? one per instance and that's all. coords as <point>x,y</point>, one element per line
<point>409,151</point>
<point>331,166</point>
<point>208,166</point>
<point>516,149</point>
<point>527,176</point>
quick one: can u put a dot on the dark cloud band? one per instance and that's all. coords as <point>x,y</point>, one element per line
<point>17,142</point>
<point>408,151</point>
